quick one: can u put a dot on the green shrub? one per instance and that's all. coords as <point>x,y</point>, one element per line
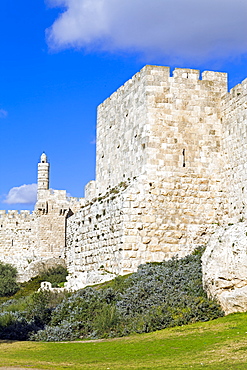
<point>39,308</point>
<point>106,320</point>
<point>8,284</point>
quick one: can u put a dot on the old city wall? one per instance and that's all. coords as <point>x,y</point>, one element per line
<point>18,239</point>
<point>234,150</point>
<point>52,209</point>
<point>34,241</point>
<point>28,241</point>
<point>174,196</point>
<point>170,168</point>
<point>132,223</point>
<point>116,232</point>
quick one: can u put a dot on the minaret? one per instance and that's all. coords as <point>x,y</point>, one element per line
<point>43,175</point>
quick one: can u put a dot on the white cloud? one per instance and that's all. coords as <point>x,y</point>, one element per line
<point>188,28</point>
<point>3,113</point>
<point>22,194</point>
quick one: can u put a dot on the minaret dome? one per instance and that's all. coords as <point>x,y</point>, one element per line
<point>43,158</point>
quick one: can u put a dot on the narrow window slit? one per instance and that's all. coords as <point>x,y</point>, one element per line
<point>183,157</point>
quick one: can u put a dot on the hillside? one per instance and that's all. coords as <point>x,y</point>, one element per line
<point>157,296</point>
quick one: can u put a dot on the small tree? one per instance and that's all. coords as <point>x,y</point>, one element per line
<point>8,276</point>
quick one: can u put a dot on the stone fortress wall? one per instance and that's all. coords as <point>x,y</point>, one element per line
<point>234,150</point>
<point>158,174</point>
<point>154,122</point>
<point>224,263</point>
<point>170,168</point>
<point>18,238</point>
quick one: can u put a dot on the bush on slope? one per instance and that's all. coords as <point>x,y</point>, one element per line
<point>157,296</point>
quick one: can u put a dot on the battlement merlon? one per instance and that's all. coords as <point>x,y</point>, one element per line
<point>236,94</point>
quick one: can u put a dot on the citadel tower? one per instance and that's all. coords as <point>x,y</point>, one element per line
<point>158,190</point>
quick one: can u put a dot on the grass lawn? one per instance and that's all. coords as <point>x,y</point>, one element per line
<point>218,344</point>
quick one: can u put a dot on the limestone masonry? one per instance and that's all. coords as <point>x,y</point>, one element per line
<point>171,167</point>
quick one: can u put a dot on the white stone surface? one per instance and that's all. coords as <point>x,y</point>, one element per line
<point>225,267</point>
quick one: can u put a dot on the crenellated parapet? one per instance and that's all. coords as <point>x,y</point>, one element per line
<point>13,217</point>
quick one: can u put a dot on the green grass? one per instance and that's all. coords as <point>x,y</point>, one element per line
<point>219,344</point>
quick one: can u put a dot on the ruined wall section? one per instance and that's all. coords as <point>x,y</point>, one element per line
<point>234,122</point>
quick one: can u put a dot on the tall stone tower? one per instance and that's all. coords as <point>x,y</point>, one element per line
<point>43,175</point>
<point>158,189</point>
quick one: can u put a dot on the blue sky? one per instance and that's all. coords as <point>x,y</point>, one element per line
<point>62,58</point>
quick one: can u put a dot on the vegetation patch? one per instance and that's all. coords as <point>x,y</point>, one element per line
<point>28,311</point>
<point>8,284</point>
<point>157,296</point>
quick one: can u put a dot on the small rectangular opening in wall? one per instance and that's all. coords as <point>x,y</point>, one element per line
<point>183,157</point>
